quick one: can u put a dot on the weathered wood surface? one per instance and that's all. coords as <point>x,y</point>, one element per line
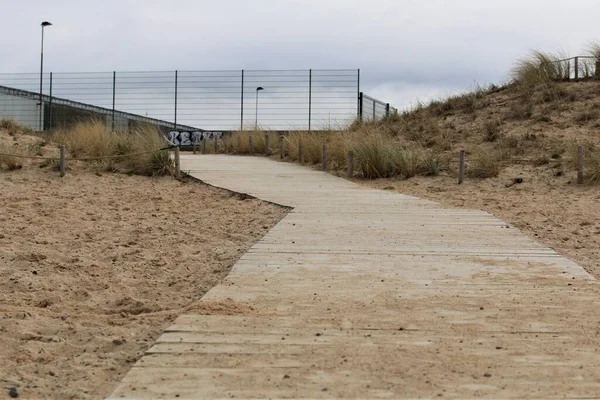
<point>362,293</point>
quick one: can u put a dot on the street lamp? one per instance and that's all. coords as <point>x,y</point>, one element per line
<point>258,89</point>
<point>44,24</point>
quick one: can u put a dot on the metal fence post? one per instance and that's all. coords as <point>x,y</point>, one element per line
<point>374,115</point>
<point>50,105</point>
<point>242,104</point>
<point>309,97</point>
<point>576,68</point>
<point>387,110</point>
<point>175,120</point>
<point>360,107</point>
<point>113,99</point>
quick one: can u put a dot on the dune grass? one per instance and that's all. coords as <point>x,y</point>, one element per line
<point>93,139</point>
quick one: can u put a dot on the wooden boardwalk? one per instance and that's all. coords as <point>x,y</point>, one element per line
<point>362,293</point>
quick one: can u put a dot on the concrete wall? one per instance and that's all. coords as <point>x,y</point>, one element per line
<point>22,110</point>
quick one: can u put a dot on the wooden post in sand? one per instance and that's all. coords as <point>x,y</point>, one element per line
<point>267,146</point>
<point>177,165</point>
<point>194,148</point>
<point>281,149</point>
<point>324,156</point>
<point>350,164</point>
<point>250,148</point>
<point>216,144</point>
<point>580,165</point>
<point>461,167</point>
<point>63,151</point>
<point>204,145</point>
<point>300,152</point>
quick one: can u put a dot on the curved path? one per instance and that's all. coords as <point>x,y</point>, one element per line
<point>362,293</point>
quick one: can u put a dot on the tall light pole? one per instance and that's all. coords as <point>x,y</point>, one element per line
<point>258,89</point>
<point>44,24</point>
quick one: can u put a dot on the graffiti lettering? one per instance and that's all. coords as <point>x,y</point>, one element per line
<point>177,138</point>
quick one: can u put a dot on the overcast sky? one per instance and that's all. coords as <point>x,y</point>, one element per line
<point>406,49</point>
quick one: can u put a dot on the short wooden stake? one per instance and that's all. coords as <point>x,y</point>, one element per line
<point>350,164</point>
<point>250,148</point>
<point>324,156</point>
<point>267,146</point>
<point>204,145</point>
<point>216,144</point>
<point>580,165</point>
<point>461,167</point>
<point>177,165</point>
<point>63,166</point>
<point>281,149</point>
<point>300,152</point>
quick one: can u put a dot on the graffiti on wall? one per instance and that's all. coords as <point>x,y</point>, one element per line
<point>177,138</point>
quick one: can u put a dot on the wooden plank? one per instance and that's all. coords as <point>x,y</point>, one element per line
<point>368,293</point>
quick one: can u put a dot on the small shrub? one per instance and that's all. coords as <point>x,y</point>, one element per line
<point>148,140</point>
<point>520,110</point>
<point>13,128</point>
<point>406,162</point>
<point>592,168</point>
<point>433,164</point>
<point>491,130</point>
<point>373,156</point>
<point>586,116</point>
<point>484,165</point>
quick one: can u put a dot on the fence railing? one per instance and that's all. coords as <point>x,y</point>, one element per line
<point>371,110</point>
<point>190,100</point>
<point>575,68</point>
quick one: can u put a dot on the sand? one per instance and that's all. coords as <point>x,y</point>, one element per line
<point>94,267</point>
<point>552,209</point>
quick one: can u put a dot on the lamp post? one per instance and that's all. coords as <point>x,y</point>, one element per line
<point>258,89</point>
<point>44,24</point>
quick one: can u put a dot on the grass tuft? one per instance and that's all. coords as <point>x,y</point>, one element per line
<point>484,164</point>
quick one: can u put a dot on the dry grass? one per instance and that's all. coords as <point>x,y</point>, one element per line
<point>538,68</point>
<point>593,48</point>
<point>483,164</point>
<point>13,128</point>
<point>94,139</point>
